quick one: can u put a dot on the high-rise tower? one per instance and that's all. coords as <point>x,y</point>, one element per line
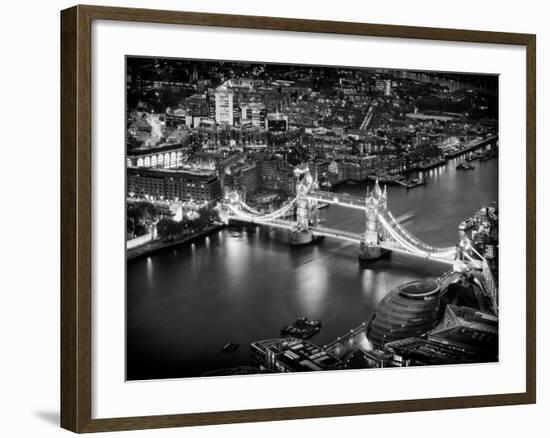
<point>224,106</point>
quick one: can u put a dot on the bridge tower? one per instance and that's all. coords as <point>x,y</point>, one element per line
<point>301,234</point>
<point>376,203</point>
<point>232,199</point>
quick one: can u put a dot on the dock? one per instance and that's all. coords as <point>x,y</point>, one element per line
<point>410,184</point>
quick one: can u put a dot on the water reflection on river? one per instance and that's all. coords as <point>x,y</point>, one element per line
<point>184,304</point>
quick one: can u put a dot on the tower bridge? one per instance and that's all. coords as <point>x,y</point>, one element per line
<point>383,232</point>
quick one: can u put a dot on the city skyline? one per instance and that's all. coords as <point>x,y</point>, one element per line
<point>258,194</point>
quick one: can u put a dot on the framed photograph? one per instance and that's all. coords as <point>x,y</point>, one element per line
<point>268,218</point>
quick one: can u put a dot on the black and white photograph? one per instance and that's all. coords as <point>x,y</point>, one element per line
<point>273,219</point>
<point>287,218</point>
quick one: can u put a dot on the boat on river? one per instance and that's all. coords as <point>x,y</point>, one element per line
<point>465,166</point>
<point>230,347</point>
<point>302,328</point>
<point>466,224</point>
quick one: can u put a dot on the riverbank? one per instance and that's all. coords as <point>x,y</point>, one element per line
<point>158,245</point>
<point>244,283</point>
<point>389,179</point>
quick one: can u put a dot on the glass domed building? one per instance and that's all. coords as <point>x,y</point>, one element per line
<point>409,310</point>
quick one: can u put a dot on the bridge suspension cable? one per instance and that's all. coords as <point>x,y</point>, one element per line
<point>405,233</point>
<point>249,209</point>
<point>437,254</point>
<point>412,240</point>
<point>256,215</point>
<point>399,239</point>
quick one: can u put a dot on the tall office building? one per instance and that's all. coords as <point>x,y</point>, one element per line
<point>224,106</point>
<point>254,113</point>
<point>384,85</point>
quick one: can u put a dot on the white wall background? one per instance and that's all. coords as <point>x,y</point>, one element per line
<point>29,219</point>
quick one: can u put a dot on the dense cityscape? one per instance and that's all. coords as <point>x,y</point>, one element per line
<point>283,163</point>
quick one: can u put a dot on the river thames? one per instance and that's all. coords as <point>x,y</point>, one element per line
<point>242,284</point>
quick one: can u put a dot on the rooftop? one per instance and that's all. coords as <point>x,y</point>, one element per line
<point>430,352</point>
<point>419,289</point>
<point>165,147</point>
<point>299,355</point>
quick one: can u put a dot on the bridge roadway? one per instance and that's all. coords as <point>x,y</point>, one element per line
<point>346,236</point>
<point>276,223</point>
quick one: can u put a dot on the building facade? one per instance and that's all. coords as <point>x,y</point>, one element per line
<point>173,185</point>
<point>243,177</point>
<point>276,174</point>
<point>276,122</point>
<point>224,106</point>
<point>410,310</point>
<point>169,156</point>
<point>254,113</point>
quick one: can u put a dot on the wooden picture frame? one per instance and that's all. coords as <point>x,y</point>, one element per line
<point>76,217</point>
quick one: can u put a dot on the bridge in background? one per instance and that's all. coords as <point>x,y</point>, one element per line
<point>383,232</point>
